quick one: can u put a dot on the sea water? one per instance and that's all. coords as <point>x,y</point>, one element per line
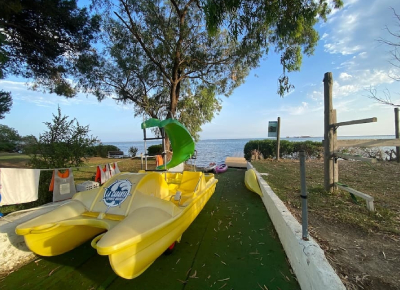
<point>216,150</point>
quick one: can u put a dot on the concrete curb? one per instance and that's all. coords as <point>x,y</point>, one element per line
<point>13,250</point>
<point>306,257</point>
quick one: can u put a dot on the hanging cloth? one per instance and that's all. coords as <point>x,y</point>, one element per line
<point>62,184</point>
<point>64,174</point>
<point>18,185</point>
<point>114,169</point>
<point>159,160</point>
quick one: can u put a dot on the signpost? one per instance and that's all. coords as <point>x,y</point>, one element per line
<point>274,130</point>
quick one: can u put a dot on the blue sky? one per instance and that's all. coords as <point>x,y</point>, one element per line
<point>348,48</point>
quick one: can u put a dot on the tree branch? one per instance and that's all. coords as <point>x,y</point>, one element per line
<point>139,39</point>
<point>387,100</point>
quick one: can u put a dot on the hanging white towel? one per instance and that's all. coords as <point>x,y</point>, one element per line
<point>18,185</point>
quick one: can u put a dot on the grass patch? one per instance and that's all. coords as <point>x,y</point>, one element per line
<point>379,180</point>
<point>13,160</point>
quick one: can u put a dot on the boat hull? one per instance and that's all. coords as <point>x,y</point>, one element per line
<point>153,221</point>
<point>53,243</point>
<point>135,259</point>
<point>221,168</point>
<point>250,180</point>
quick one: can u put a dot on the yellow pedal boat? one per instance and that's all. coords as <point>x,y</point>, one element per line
<point>133,218</point>
<point>251,182</point>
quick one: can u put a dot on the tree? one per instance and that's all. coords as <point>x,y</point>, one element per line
<point>5,103</point>
<point>286,25</point>
<point>395,53</point>
<point>64,144</point>
<point>9,139</point>
<point>159,57</point>
<point>27,144</point>
<point>132,151</point>
<point>44,39</point>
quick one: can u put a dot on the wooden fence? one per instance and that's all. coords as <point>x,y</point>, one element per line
<point>331,144</point>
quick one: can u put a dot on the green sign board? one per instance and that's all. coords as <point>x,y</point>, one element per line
<point>273,129</point>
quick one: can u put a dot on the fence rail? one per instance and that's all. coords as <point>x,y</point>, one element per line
<point>355,122</point>
<point>368,143</point>
<point>331,144</point>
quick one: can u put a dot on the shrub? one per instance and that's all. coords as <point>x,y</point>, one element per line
<point>64,144</point>
<point>311,148</point>
<point>133,151</point>
<point>9,139</point>
<point>101,150</point>
<point>155,149</point>
<point>287,149</point>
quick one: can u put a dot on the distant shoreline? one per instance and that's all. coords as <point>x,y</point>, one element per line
<point>257,138</point>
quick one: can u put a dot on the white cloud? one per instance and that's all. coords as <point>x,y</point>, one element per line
<point>295,110</point>
<point>289,93</point>
<point>13,85</point>
<point>345,76</point>
<point>345,105</point>
<point>363,54</point>
<point>21,92</point>
<point>359,81</point>
<point>346,88</point>
<point>316,95</point>
<point>355,29</point>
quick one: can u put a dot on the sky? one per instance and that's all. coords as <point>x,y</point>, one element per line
<point>348,47</point>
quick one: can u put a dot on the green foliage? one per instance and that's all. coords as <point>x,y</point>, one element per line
<point>311,148</point>
<point>155,150</point>
<point>101,150</point>
<point>44,195</point>
<point>286,25</point>
<point>44,39</point>
<point>133,151</point>
<point>65,144</point>
<point>9,139</point>
<point>5,103</point>
<point>159,57</point>
<point>28,144</point>
<point>198,109</point>
<point>287,149</point>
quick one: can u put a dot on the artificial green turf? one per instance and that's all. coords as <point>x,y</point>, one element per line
<point>231,245</point>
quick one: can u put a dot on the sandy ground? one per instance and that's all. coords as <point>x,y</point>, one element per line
<point>363,259</point>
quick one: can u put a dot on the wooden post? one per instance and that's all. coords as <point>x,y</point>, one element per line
<point>335,149</point>
<point>328,132</point>
<point>278,138</point>
<point>397,132</point>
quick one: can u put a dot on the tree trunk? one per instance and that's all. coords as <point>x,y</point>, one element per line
<point>174,95</point>
<point>167,148</point>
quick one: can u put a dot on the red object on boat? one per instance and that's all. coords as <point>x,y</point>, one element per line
<point>221,168</point>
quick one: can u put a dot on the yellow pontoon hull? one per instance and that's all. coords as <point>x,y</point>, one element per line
<point>135,233</point>
<point>251,182</point>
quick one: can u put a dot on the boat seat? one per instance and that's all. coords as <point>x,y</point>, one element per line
<point>190,185</point>
<point>153,184</point>
<point>191,182</point>
<point>141,201</point>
